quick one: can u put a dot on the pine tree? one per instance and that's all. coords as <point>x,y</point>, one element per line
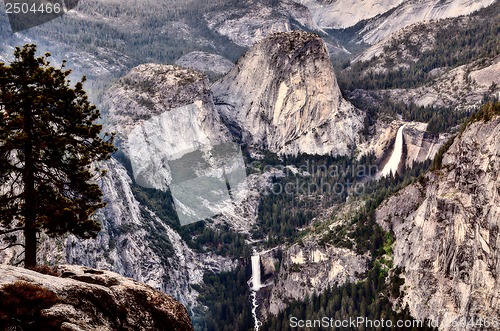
<point>49,148</point>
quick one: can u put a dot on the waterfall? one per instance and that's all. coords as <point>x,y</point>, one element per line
<point>256,284</point>
<point>257,323</point>
<point>392,164</point>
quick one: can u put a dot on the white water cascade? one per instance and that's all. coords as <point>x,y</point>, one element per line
<point>256,286</point>
<point>392,164</point>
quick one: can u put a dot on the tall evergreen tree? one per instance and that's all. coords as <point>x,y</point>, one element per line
<point>49,145</point>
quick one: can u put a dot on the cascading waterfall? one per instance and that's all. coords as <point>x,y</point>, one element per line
<point>392,165</point>
<point>256,285</point>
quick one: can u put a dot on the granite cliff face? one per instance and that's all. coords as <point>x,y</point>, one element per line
<point>415,11</point>
<point>283,96</point>
<point>160,113</point>
<point>420,145</point>
<point>80,298</point>
<point>309,268</point>
<point>447,232</point>
<point>343,14</point>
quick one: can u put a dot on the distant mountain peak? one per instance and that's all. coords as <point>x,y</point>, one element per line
<point>283,95</point>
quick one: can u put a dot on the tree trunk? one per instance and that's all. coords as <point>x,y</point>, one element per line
<point>30,247</point>
<point>29,211</point>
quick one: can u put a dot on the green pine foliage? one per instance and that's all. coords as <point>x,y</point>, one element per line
<point>49,145</point>
<point>362,232</point>
<point>227,298</point>
<point>487,112</point>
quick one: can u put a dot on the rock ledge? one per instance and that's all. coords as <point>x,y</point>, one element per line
<point>81,298</point>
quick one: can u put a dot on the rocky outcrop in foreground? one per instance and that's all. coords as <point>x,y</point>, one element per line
<point>447,234</point>
<point>80,298</point>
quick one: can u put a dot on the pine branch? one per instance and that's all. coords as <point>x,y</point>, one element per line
<point>10,231</point>
<point>15,181</point>
<point>12,245</point>
<point>3,201</point>
<point>18,256</point>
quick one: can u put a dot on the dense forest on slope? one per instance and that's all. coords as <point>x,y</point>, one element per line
<point>295,199</point>
<point>456,42</point>
<point>439,119</point>
<point>361,232</point>
<point>200,236</point>
<point>226,296</point>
